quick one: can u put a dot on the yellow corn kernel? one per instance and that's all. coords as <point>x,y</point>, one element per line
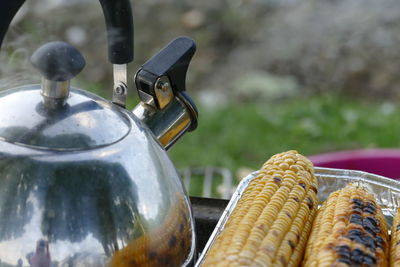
<point>395,241</point>
<point>349,230</point>
<point>271,223</point>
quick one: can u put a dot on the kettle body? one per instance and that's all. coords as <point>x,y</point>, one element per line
<point>115,201</point>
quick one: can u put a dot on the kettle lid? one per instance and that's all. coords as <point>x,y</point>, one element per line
<point>85,121</point>
<point>55,116</point>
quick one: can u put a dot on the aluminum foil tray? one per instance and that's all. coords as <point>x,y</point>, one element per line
<point>387,193</point>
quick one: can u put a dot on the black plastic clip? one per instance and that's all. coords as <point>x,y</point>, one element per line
<point>164,75</point>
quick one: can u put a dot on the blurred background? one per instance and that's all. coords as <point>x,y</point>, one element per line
<point>268,75</point>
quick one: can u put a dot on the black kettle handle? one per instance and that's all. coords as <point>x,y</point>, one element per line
<point>8,9</point>
<point>119,23</point>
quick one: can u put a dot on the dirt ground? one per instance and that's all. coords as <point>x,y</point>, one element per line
<point>246,48</point>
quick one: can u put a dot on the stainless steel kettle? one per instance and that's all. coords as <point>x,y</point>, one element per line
<point>83,181</point>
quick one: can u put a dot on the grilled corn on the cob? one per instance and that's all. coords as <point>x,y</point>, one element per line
<point>395,241</point>
<point>271,222</point>
<point>349,230</point>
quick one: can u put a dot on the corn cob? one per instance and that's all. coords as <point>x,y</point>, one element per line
<point>395,241</point>
<point>272,220</point>
<point>349,230</point>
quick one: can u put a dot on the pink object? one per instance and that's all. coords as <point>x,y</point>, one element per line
<point>385,162</point>
<point>41,258</point>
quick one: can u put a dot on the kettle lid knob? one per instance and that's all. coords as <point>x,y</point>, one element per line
<point>58,61</point>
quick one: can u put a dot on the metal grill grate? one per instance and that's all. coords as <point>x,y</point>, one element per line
<point>214,181</point>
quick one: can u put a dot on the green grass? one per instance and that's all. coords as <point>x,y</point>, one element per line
<point>245,135</point>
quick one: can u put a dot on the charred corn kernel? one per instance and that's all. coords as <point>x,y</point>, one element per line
<point>395,241</point>
<point>349,230</point>
<point>168,245</point>
<point>272,220</point>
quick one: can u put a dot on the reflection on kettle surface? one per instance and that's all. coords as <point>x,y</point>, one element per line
<point>20,133</point>
<point>166,245</point>
<point>62,211</point>
<point>79,124</point>
<point>41,257</point>
<point>70,205</point>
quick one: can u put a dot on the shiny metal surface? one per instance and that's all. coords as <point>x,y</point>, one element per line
<point>146,99</point>
<point>154,91</point>
<point>120,90</point>
<point>84,122</point>
<point>387,193</point>
<point>113,202</point>
<point>163,91</point>
<point>55,89</point>
<point>55,93</point>
<point>168,124</point>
